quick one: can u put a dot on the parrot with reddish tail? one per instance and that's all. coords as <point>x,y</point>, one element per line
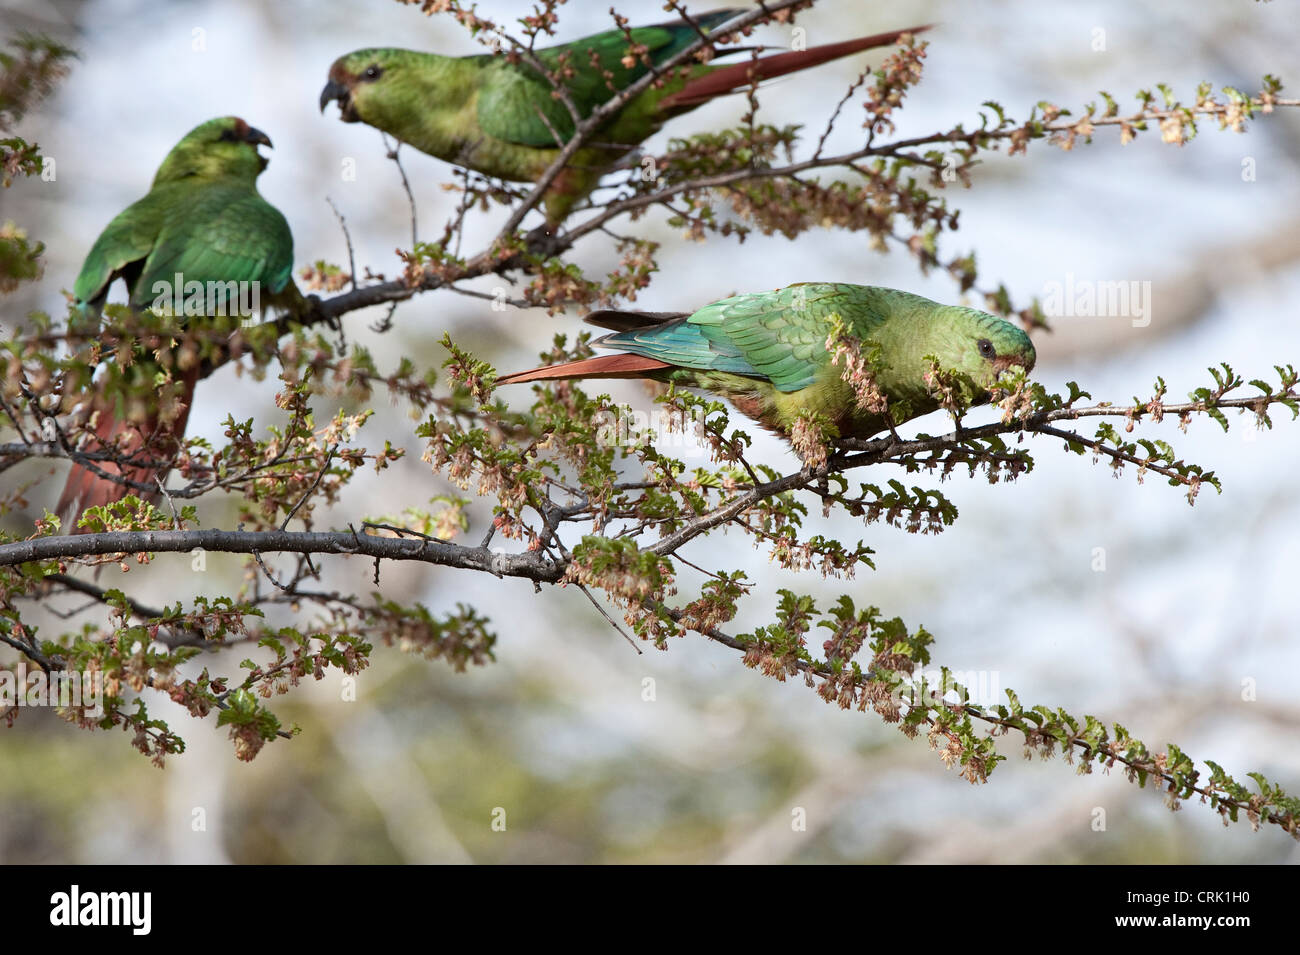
<point>777,355</point>
<point>498,115</point>
<point>202,221</point>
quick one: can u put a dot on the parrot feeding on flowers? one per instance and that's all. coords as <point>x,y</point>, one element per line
<point>776,356</point>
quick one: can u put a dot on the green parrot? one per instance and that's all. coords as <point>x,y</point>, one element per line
<point>202,242</point>
<point>502,119</point>
<point>777,355</point>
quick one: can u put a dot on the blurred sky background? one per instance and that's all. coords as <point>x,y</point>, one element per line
<point>1192,601</point>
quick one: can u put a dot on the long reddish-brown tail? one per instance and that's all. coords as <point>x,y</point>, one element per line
<point>727,79</point>
<point>606,366</point>
<point>149,439</point>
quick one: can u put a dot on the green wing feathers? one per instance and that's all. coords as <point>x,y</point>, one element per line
<point>225,235</point>
<point>126,241</point>
<point>207,232</point>
<point>516,104</point>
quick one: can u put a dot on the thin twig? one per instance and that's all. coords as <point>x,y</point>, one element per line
<point>329,458</point>
<point>347,237</point>
<point>394,155</point>
<point>612,622</point>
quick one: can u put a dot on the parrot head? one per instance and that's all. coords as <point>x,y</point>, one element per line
<point>225,147</point>
<point>361,81</point>
<point>980,347</point>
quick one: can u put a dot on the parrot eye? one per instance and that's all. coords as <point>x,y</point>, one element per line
<point>986,348</point>
<point>372,72</point>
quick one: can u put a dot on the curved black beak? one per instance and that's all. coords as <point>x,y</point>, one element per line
<point>257,137</point>
<point>333,91</point>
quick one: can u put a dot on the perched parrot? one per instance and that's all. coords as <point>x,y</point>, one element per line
<point>774,354</point>
<point>204,222</point>
<point>502,119</point>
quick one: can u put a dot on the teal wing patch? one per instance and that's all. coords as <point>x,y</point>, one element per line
<point>683,344</point>
<point>778,336</point>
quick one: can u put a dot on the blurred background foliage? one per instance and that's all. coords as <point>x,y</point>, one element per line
<point>557,731</point>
